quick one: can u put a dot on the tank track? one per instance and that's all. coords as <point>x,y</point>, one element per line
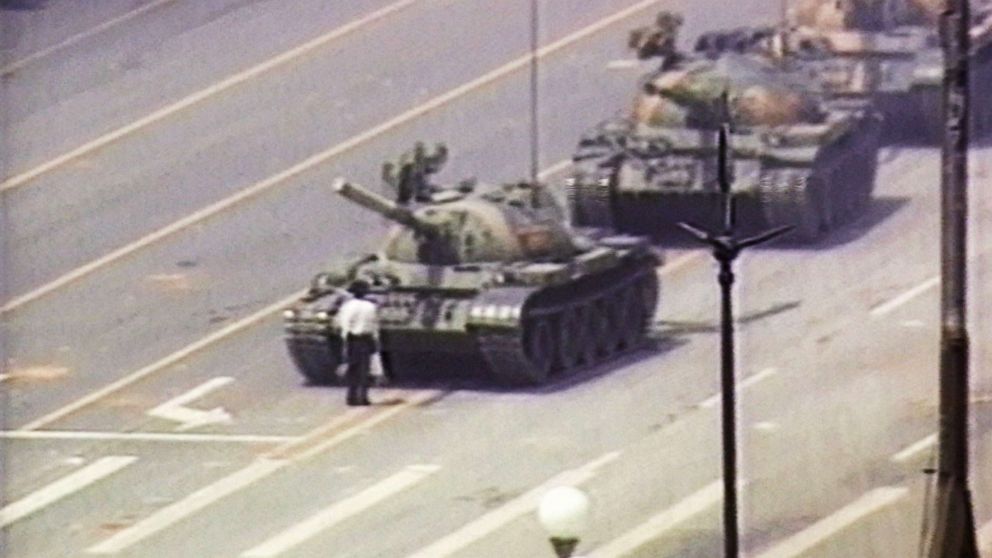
<point>505,351</point>
<point>837,190</point>
<point>316,357</point>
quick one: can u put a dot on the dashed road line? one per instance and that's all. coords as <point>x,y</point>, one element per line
<point>321,157</point>
<point>340,511</point>
<point>661,523</point>
<point>714,400</point>
<point>203,94</point>
<point>914,449</point>
<point>274,461</point>
<point>521,505</point>
<point>176,437</point>
<point>820,531</point>
<point>69,41</point>
<point>887,307</point>
<point>63,487</point>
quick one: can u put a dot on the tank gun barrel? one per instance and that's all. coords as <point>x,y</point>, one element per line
<point>388,209</point>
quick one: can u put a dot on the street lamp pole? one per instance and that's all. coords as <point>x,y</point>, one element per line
<point>726,247</point>
<point>953,532</point>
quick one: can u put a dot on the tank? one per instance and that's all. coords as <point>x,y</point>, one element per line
<point>884,50</point>
<point>491,274</point>
<point>797,159</point>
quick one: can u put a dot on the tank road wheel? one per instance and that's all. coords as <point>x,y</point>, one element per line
<point>609,313</point>
<point>635,322</point>
<point>586,317</point>
<point>570,339</point>
<point>539,349</point>
<point>791,198</point>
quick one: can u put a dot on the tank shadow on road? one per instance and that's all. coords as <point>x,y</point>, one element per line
<point>467,374</point>
<point>880,209</point>
<point>675,329</point>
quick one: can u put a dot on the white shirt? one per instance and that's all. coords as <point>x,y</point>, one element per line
<point>358,317</point>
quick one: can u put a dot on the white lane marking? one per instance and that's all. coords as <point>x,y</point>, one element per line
<point>714,400</point>
<point>273,461</point>
<point>984,536</point>
<point>340,511</point>
<point>175,409</point>
<point>319,158</point>
<point>624,64</point>
<point>662,522</point>
<point>767,426</point>
<point>914,449</point>
<point>69,41</point>
<point>821,530</point>
<point>164,362</point>
<point>678,263</point>
<point>143,437</point>
<point>194,98</point>
<point>511,510</point>
<point>194,502</point>
<point>63,487</point>
<point>887,307</point>
<point>554,169</point>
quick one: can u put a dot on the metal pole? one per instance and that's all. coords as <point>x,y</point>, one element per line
<point>727,383</point>
<point>726,247</point>
<point>534,129</point>
<point>953,533</point>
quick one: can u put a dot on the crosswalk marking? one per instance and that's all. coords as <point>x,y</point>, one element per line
<point>340,511</point>
<point>633,539</point>
<point>63,487</point>
<point>511,510</point>
<point>187,506</point>
<point>823,529</point>
<point>275,460</point>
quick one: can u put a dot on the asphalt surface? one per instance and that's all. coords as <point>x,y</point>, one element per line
<point>839,361</point>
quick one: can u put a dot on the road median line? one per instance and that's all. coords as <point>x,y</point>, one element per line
<point>194,98</point>
<point>321,157</point>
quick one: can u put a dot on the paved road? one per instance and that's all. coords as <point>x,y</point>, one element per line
<point>838,355</point>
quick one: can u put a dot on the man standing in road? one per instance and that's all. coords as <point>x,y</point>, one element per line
<point>360,329</point>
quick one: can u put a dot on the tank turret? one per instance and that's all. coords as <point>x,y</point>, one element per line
<point>799,159</point>
<point>494,272</point>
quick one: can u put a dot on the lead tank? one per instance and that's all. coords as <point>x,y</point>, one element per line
<point>885,50</point>
<point>490,272</point>
<point>796,159</point>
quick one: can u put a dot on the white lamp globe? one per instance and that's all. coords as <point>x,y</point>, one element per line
<point>564,512</point>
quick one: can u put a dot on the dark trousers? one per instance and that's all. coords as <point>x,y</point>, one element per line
<point>360,349</point>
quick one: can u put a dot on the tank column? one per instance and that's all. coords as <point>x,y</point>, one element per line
<point>726,247</point>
